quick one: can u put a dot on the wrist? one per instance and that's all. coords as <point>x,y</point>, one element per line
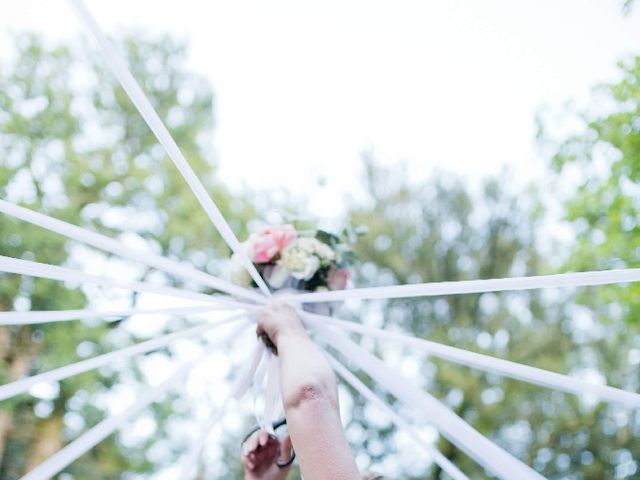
<point>291,335</point>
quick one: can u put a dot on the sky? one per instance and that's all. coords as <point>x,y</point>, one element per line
<point>303,88</point>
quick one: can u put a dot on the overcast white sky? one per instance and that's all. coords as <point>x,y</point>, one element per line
<point>303,87</point>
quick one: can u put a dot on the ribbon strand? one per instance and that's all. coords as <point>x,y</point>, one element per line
<point>193,455</point>
<point>102,430</point>
<point>52,272</point>
<point>240,386</point>
<point>444,463</point>
<point>518,371</point>
<point>142,103</point>
<point>20,386</point>
<point>115,247</point>
<point>482,450</point>
<point>271,395</point>
<point>562,280</point>
<point>35,317</point>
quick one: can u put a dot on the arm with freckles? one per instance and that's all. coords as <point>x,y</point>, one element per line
<point>310,398</point>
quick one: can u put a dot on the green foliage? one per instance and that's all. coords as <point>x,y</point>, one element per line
<point>439,231</point>
<point>627,6</point>
<point>73,146</point>
<point>601,164</point>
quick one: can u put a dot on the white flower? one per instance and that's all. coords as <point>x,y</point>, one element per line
<point>311,266</point>
<point>313,246</point>
<point>302,264</point>
<point>278,275</point>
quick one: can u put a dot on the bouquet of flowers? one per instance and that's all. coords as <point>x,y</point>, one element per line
<point>289,259</point>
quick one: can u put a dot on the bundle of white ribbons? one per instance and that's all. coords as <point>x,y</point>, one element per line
<point>261,368</point>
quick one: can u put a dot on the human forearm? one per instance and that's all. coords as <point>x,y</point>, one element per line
<point>305,372</point>
<point>311,405</point>
<point>310,398</point>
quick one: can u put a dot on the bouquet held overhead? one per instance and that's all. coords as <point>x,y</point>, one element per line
<point>295,260</point>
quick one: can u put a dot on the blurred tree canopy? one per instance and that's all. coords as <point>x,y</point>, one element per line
<point>599,167</point>
<point>440,231</point>
<point>72,146</point>
<point>627,6</point>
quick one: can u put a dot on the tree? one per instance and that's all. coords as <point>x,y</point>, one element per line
<point>599,168</point>
<point>627,6</point>
<point>73,146</point>
<point>439,231</point>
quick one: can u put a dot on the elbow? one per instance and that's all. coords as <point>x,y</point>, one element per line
<point>309,395</point>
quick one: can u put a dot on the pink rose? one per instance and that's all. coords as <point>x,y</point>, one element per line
<point>338,278</point>
<point>270,241</point>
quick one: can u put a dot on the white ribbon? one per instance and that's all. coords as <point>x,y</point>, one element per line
<point>482,450</point>
<point>118,248</point>
<point>578,279</point>
<point>518,371</point>
<point>258,385</point>
<point>20,386</point>
<point>95,435</point>
<point>192,457</point>
<point>33,317</point>
<point>444,463</point>
<point>240,386</point>
<point>141,102</point>
<point>251,375</point>
<point>271,394</point>
<point>248,375</point>
<point>102,430</point>
<point>52,272</point>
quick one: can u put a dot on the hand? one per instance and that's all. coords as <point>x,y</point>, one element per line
<point>279,319</point>
<point>259,454</point>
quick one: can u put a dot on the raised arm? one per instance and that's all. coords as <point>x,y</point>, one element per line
<point>310,398</point>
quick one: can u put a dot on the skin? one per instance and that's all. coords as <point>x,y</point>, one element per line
<point>310,398</point>
<point>259,454</point>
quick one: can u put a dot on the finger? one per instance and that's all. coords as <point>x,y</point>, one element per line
<point>286,449</point>
<point>268,453</point>
<point>263,438</point>
<point>272,440</point>
<point>287,444</point>
<point>246,447</point>
<point>251,444</point>
<point>256,442</point>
